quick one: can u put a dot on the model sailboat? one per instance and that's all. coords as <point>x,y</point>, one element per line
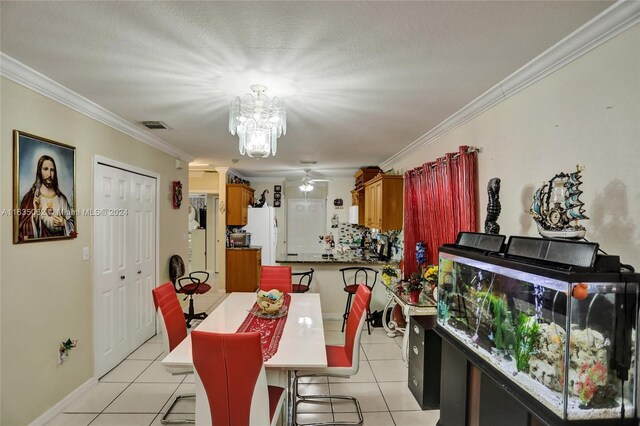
<point>557,208</point>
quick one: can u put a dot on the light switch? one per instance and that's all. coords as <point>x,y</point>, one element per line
<point>85,253</point>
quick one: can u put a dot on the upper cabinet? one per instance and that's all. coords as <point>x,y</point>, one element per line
<point>238,199</point>
<point>383,202</point>
<point>362,176</point>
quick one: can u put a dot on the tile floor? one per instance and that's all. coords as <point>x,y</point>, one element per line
<point>138,391</point>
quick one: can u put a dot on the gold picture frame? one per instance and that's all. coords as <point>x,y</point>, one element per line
<point>44,189</point>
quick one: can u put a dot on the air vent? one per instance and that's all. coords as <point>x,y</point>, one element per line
<point>308,162</point>
<point>155,125</point>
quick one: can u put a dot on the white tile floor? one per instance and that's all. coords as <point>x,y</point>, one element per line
<point>138,391</point>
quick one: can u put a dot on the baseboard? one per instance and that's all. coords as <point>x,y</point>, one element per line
<point>52,412</point>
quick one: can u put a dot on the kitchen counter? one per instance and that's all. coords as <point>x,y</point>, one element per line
<point>327,279</point>
<point>245,248</point>
<point>337,259</point>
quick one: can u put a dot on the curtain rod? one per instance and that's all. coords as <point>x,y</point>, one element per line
<point>442,160</point>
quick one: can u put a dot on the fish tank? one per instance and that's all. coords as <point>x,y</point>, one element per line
<point>564,337</point>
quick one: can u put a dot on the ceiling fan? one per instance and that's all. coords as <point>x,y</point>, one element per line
<point>306,184</point>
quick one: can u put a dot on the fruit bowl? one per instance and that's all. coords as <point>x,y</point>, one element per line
<point>270,301</point>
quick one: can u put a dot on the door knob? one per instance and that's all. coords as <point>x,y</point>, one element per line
<point>139,272</point>
<point>122,277</point>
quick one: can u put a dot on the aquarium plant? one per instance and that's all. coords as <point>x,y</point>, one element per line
<point>526,334</point>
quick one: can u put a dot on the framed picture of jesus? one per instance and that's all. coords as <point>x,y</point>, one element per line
<point>43,189</point>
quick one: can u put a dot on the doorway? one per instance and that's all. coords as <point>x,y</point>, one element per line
<point>306,221</point>
<point>203,232</point>
<point>124,259</point>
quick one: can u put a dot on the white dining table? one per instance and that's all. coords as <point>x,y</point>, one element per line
<point>301,346</point>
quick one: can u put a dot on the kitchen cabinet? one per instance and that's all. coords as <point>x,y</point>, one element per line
<point>362,176</point>
<point>239,197</point>
<point>243,269</point>
<point>383,196</point>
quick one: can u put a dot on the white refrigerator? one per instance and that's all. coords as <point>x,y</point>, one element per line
<point>263,226</point>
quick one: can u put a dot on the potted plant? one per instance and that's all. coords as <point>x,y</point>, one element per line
<point>389,274</point>
<point>414,287</point>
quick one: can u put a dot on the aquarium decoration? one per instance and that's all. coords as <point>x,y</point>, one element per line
<point>557,208</point>
<point>526,334</point>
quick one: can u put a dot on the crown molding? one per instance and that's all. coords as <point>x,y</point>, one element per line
<point>616,19</point>
<point>32,79</point>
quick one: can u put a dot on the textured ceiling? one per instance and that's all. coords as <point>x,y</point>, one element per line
<point>361,80</point>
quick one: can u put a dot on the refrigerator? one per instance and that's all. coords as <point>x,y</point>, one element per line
<point>263,226</point>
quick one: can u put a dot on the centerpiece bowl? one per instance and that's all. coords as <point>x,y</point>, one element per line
<point>270,301</point>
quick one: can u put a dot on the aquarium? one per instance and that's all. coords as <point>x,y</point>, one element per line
<point>566,339</point>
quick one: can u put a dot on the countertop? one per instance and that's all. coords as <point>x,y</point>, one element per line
<point>337,259</point>
<point>245,248</point>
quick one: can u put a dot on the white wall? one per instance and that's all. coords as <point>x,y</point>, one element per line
<point>47,290</point>
<point>588,113</point>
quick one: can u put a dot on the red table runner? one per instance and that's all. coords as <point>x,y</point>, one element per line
<point>270,329</point>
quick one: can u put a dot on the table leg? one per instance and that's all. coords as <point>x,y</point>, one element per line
<point>391,326</point>
<point>406,311</point>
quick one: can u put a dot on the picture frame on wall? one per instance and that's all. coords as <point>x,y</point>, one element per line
<point>276,203</point>
<point>277,195</point>
<point>44,189</point>
<point>277,188</point>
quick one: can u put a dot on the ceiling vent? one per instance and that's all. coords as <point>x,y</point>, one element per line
<point>308,162</point>
<point>155,125</point>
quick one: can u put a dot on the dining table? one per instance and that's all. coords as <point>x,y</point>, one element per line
<point>301,344</point>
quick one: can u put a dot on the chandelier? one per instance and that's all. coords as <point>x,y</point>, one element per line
<point>258,121</point>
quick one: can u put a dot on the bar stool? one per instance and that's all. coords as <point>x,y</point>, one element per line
<point>351,283</point>
<point>305,277</point>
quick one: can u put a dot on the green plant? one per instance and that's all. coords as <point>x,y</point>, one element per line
<point>414,283</point>
<point>443,310</point>
<point>526,335</point>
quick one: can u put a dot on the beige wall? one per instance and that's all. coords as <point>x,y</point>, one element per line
<point>201,182</point>
<point>47,292</point>
<point>588,113</point>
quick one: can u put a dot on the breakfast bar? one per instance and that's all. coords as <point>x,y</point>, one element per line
<point>327,279</point>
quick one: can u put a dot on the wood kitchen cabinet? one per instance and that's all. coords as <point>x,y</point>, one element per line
<point>358,198</point>
<point>243,269</point>
<point>239,197</point>
<point>383,196</point>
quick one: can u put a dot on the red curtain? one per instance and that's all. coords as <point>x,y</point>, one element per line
<point>440,200</point>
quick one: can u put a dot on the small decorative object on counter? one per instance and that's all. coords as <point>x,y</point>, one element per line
<point>430,276</point>
<point>414,287</point>
<point>557,208</point>
<point>493,207</point>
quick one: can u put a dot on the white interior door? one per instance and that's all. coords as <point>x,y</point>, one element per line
<point>124,263</point>
<point>143,214</point>
<point>306,221</point>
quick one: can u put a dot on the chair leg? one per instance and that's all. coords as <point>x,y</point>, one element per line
<point>368,321</point>
<point>191,315</point>
<point>166,421</point>
<point>301,398</point>
<point>346,310</point>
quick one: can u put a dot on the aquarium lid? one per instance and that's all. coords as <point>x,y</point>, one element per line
<point>477,240</point>
<point>573,253</point>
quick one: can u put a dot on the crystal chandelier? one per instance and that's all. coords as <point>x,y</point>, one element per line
<point>258,121</point>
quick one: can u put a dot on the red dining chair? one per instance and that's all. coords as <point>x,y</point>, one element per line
<point>194,283</point>
<point>174,331</point>
<point>342,361</point>
<point>278,277</point>
<point>230,369</point>
<point>304,281</point>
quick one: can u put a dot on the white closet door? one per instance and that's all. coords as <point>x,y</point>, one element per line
<point>142,214</point>
<point>124,264</point>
